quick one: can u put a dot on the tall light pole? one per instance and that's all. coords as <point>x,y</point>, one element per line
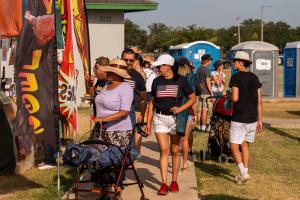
<point>239,29</point>
<point>262,21</point>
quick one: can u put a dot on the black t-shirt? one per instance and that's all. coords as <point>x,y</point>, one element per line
<point>138,84</point>
<point>245,109</point>
<point>169,92</point>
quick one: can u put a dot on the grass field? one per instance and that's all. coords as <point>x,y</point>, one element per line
<point>35,184</point>
<point>274,169</point>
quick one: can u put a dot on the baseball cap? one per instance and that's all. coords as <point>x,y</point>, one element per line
<point>164,59</point>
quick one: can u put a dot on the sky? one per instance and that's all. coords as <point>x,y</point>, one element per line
<point>217,13</point>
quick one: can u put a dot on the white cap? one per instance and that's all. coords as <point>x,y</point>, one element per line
<point>164,59</point>
<point>242,55</point>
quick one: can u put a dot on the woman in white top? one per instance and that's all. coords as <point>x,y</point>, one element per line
<point>150,73</point>
<point>218,78</point>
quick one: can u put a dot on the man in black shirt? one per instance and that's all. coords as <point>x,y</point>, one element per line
<point>138,85</point>
<point>247,114</point>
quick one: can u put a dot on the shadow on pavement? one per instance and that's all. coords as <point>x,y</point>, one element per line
<point>146,176</point>
<point>221,196</point>
<point>151,145</point>
<point>214,170</point>
<point>293,112</point>
<point>10,184</point>
<point>281,132</point>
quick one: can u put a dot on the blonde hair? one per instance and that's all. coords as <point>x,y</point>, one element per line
<point>184,70</point>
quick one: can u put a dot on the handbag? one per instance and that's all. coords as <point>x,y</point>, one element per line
<point>182,117</point>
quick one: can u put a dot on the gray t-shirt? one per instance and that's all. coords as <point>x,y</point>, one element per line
<point>202,73</point>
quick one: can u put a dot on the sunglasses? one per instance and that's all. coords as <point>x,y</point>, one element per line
<point>118,66</point>
<point>128,60</point>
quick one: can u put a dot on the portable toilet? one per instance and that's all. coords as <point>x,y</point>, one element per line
<point>194,50</point>
<point>291,69</point>
<point>264,57</point>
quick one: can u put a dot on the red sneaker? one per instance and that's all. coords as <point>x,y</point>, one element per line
<point>174,187</point>
<point>163,189</point>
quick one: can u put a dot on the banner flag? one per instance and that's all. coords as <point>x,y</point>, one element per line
<point>11,17</point>
<point>35,71</point>
<point>67,72</point>
<point>82,37</point>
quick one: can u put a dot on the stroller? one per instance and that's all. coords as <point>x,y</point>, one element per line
<point>103,169</point>
<point>218,138</point>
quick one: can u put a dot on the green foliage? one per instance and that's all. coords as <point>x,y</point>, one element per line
<point>134,35</point>
<point>160,36</point>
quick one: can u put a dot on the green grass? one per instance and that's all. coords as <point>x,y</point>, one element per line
<point>281,109</point>
<point>35,184</point>
<point>274,169</point>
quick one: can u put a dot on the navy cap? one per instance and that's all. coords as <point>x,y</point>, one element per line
<point>206,57</point>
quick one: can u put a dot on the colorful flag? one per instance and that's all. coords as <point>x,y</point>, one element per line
<point>36,80</point>
<point>67,75</point>
<point>82,37</point>
<point>11,17</point>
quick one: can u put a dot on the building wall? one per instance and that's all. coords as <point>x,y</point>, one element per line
<point>106,30</point>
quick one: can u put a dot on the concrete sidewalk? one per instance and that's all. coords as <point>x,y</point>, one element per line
<point>148,170</point>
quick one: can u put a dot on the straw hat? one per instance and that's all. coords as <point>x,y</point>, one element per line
<point>136,50</point>
<point>148,58</point>
<point>117,62</point>
<point>121,72</point>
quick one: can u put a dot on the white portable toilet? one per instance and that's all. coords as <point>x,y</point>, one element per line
<point>264,57</point>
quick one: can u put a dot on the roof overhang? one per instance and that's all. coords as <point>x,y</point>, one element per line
<point>126,7</point>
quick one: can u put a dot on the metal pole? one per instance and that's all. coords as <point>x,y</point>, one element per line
<point>261,24</point>
<point>262,21</point>
<point>239,31</point>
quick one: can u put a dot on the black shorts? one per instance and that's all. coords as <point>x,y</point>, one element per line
<point>137,103</point>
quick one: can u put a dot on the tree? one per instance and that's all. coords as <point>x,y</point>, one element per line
<point>161,37</point>
<point>134,35</point>
<point>158,37</point>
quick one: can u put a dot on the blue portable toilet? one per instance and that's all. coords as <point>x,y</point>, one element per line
<point>264,57</point>
<point>194,50</point>
<point>291,69</point>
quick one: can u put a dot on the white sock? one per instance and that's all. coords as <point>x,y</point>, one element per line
<point>241,168</point>
<point>203,127</point>
<point>246,170</point>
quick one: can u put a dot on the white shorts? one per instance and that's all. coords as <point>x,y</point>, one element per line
<point>164,123</point>
<point>240,132</point>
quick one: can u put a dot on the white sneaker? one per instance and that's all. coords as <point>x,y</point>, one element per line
<point>45,166</point>
<point>242,179</point>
